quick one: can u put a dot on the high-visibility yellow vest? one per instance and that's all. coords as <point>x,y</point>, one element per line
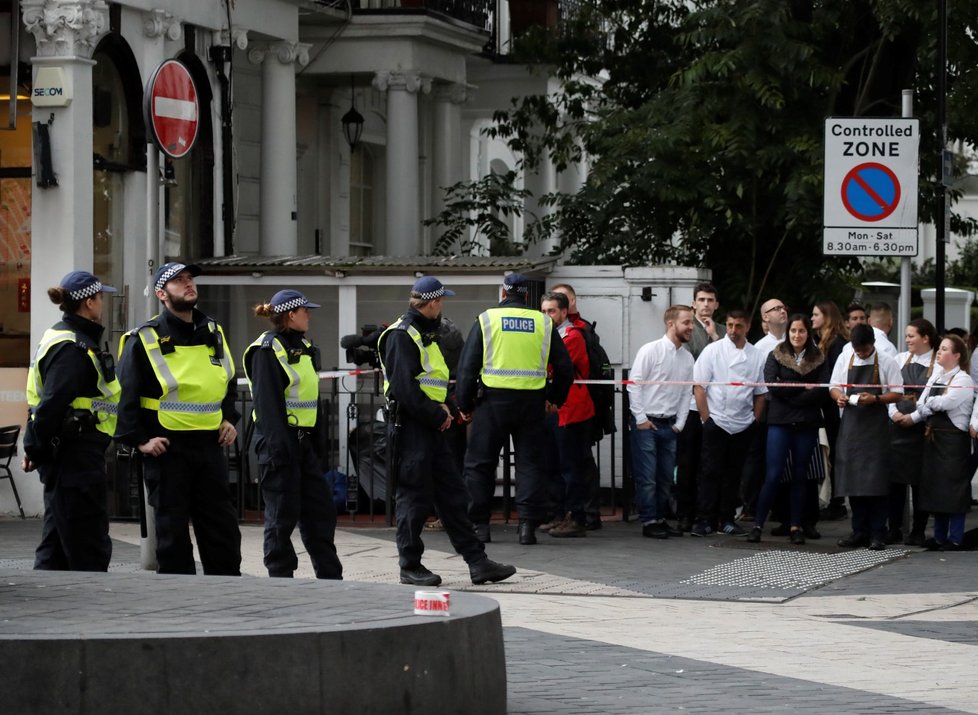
<point>433,378</point>
<point>302,390</point>
<point>193,379</point>
<point>515,348</point>
<point>105,407</point>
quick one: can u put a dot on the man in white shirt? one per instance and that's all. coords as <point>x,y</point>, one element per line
<point>856,315</point>
<point>728,413</point>
<point>776,314</point>
<point>863,382</point>
<point>658,415</point>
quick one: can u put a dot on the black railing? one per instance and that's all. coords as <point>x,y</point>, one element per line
<point>478,13</point>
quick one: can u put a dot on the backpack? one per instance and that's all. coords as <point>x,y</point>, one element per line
<point>603,396</point>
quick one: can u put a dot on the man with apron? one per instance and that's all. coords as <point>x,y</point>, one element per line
<point>863,383</point>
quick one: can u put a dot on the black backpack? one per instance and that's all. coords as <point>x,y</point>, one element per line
<point>603,396</point>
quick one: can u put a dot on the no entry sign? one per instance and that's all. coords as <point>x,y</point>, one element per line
<point>172,109</point>
<point>871,187</point>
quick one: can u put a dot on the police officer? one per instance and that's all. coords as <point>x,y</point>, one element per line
<point>282,366</point>
<point>72,396</point>
<point>177,409</point>
<point>509,350</point>
<point>416,384</point>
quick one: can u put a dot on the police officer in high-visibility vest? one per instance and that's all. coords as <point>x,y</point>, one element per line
<point>72,397</point>
<point>177,408</point>
<point>282,367</point>
<point>416,386</point>
<point>509,352</point>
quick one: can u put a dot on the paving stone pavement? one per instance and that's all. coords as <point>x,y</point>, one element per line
<point>615,623</point>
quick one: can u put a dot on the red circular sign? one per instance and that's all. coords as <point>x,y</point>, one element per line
<point>172,109</point>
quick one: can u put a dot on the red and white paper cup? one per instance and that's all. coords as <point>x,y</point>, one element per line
<point>432,603</point>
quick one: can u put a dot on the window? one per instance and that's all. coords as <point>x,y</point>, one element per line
<point>362,201</point>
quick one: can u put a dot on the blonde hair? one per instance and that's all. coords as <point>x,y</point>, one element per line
<point>265,310</point>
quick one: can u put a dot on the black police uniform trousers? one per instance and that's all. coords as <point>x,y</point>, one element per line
<point>189,483</point>
<point>297,493</point>
<point>499,415</point>
<point>75,530</point>
<point>427,475</point>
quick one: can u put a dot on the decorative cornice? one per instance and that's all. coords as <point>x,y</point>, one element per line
<point>159,23</point>
<point>408,81</point>
<point>66,28</point>
<point>454,93</point>
<point>239,38</point>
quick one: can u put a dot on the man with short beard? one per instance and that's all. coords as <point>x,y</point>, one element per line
<point>177,409</point>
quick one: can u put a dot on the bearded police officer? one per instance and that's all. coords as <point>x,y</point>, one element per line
<point>72,396</point>
<point>416,386</point>
<point>177,409</point>
<point>509,351</point>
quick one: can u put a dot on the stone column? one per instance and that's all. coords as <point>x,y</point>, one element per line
<point>66,33</point>
<point>446,168</point>
<point>540,182</point>
<point>403,191</point>
<point>278,234</point>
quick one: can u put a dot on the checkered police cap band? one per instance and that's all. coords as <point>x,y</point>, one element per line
<point>429,295</point>
<point>289,305</point>
<point>168,274</point>
<point>522,288</point>
<point>86,292</point>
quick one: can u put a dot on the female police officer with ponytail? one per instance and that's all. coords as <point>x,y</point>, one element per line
<point>72,396</point>
<point>282,367</point>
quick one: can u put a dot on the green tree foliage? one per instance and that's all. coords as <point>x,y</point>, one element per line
<point>704,134</point>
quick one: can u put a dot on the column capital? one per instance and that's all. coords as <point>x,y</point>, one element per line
<point>66,28</point>
<point>285,52</point>
<point>409,81</point>
<point>158,23</point>
<point>237,37</point>
<point>453,92</point>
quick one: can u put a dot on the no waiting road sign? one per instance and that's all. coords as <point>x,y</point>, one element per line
<point>870,194</point>
<point>172,109</point>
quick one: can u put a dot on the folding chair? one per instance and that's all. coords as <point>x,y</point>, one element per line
<point>8,448</point>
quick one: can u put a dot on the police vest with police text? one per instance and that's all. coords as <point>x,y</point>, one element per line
<point>515,348</point>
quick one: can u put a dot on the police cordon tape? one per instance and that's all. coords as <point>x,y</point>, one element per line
<point>339,374</point>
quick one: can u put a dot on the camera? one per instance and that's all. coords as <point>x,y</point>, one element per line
<point>362,349</point>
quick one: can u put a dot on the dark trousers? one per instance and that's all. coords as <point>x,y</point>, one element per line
<point>869,516</point>
<point>755,467</point>
<point>500,415</point>
<point>556,492</point>
<point>297,493</point>
<point>189,484</point>
<point>593,506</point>
<point>688,465</point>
<point>428,476</point>
<point>75,530</point>
<point>723,456</point>
<point>898,502</point>
<point>573,447</point>
<point>782,440</point>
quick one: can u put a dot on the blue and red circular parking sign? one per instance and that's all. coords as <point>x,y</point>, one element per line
<point>870,192</point>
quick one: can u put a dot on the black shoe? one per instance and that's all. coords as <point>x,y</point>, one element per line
<point>701,528</point>
<point>754,536</point>
<point>420,576</point>
<point>797,537</point>
<point>527,535</point>
<point>671,531</point>
<point>894,536</point>
<point>853,541</point>
<point>877,544</point>
<point>656,531</point>
<point>593,524</point>
<point>811,532</point>
<point>732,528</point>
<point>781,530</point>
<point>933,544</point>
<point>488,571</point>
<point>482,533</point>
<point>684,524</point>
<point>915,539</point>
<point>951,546</point>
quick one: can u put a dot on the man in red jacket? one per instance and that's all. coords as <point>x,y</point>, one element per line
<point>573,432</point>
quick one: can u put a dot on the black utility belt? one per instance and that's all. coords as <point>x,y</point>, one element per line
<point>511,391</point>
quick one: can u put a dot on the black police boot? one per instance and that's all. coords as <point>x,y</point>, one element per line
<point>488,571</point>
<point>420,576</point>
<point>527,533</point>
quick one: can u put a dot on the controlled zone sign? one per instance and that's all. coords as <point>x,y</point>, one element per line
<point>172,109</point>
<point>870,205</point>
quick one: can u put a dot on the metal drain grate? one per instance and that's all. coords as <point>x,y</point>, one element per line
<point>790,570</point>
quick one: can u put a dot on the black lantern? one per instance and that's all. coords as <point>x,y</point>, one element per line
<point>352,120</point>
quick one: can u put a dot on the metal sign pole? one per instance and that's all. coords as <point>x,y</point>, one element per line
<point>903,311</point>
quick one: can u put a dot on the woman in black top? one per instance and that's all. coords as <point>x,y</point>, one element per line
<point>794,416</point>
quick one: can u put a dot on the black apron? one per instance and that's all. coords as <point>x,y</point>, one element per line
<point>947,452</point>
<point>862,465</point>
<point>907,443</point>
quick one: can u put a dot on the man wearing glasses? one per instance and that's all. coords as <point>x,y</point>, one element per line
<point>775,315</point>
